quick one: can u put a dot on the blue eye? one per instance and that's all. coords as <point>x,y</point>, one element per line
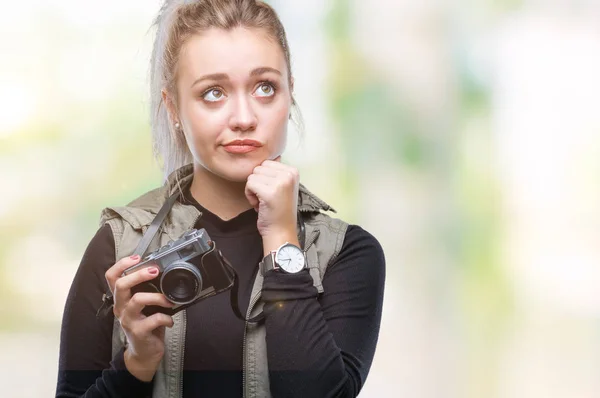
<point>213,95</point>
<point>265,90</point>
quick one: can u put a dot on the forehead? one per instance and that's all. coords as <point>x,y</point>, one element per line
<point>235,52</point>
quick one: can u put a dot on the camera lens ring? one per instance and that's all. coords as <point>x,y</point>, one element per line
<point>181,282</point>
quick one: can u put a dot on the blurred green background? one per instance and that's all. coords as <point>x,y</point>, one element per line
<point>463,135</point>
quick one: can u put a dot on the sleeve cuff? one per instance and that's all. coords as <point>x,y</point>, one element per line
<point>125,381</point>
<point>279,286</point>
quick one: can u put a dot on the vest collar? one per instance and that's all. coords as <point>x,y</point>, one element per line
<point>307,201</point>
<point>153,200</point>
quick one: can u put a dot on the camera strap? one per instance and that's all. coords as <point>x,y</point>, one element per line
<point>234,289</point>
<point>235,306</point>
<point>107,298</point>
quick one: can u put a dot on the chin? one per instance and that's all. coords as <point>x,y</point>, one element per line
<point>237,171</point>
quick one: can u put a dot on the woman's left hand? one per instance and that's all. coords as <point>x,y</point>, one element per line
<point>272,189</point>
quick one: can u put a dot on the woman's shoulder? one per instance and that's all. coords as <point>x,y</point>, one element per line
<point>361,244</point>
<point>140,208</point>
<point>358,236</point>
<point>360,263</point>
<point>99,254</point>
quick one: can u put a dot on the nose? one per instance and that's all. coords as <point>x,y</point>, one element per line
<point>243,117</point>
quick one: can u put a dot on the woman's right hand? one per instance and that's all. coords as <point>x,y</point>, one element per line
<point>145,335</point>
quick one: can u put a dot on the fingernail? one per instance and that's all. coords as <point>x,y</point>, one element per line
<point>135,257</point>
<point>153,270</point>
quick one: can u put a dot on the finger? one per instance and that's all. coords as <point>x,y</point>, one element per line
<point>276,165</point>
<point>159,332</point>
<point>261,179</point>
<point>260,186</point>
<point>256,185</point>
<point>287,176</point>
<point>114,272</point>
<point>148,325</point>
<point>141,299</point>
<point>251,196</point>
<point>124,284</point>
<point>267,171</point>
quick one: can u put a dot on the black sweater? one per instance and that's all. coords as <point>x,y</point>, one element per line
<point>317,345</point>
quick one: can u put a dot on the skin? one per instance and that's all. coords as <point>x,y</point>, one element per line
<point>231,85</point>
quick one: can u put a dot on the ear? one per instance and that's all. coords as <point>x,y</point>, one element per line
<point>167,100</point>
<point>292,93</point>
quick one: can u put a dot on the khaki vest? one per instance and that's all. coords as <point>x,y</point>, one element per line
<point>324,238</point>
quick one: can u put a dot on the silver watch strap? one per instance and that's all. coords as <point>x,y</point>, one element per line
<point>267,263</point>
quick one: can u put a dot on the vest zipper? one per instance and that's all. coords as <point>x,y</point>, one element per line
<point>311,239</point>
<point>244,361</point>
<point>184,325</point>
<point>253,301</point>
<point>183,330</point>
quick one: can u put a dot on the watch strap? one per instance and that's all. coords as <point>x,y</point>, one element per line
<point>268,263</point>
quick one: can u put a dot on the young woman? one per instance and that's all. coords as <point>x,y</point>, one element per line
<point>222,97</point>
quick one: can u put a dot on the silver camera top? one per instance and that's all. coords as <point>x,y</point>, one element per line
<point>189,238</point>
<point>191,244</point>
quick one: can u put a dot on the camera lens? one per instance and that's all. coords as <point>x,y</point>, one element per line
<point>181,283</point>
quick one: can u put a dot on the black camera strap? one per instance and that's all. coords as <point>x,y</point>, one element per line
<point>234,288</point>
<point>107,298</point>
<point>235,305</point>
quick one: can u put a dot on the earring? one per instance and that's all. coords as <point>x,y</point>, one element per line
<point>177,126</point>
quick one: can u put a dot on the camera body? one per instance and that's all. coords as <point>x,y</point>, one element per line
<point>182,282</point>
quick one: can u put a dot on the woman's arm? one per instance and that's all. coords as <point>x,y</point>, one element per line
<point>85,367</point>
<point>324,347</point>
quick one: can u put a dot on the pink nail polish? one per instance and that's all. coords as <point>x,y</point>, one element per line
<point>135,257</point>
<point>153,270</point>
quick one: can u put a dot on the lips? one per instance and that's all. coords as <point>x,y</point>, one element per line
<point>244,142</point>
<point>242,146</point>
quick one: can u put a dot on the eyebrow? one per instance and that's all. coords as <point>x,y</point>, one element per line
<point>224,76</point>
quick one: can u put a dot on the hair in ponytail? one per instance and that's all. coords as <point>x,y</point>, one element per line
<point>176,22</point>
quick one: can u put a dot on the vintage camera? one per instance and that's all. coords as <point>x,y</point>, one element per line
<point>182,282</point>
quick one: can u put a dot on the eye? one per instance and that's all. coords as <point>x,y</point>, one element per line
<point>265,90</point>
<point>213,95</point>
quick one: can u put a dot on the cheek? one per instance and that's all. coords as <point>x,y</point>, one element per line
<point>276,122</point>
<point>203,128</point>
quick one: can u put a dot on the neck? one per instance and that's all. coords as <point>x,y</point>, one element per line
<point>224,198</point>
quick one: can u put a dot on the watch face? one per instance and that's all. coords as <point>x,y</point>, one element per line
<point>290,258</point>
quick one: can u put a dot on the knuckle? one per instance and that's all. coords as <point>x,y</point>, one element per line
<point>155,321</point>
<point>136,299</point>
<point>136,331</point>
<point>119,285</point>
<point>165,319</point>
<point>160,319</point>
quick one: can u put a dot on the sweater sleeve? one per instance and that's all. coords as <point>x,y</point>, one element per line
<point>85,367</point>
<point>324,346</point>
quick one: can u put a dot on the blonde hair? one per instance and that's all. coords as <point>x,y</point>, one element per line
<point>176,22</point>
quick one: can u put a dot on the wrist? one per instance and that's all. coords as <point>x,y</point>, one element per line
<point>139,369</point>
<point>273,241</point>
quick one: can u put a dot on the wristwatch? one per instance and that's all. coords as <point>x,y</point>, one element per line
<point>287,258</point>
